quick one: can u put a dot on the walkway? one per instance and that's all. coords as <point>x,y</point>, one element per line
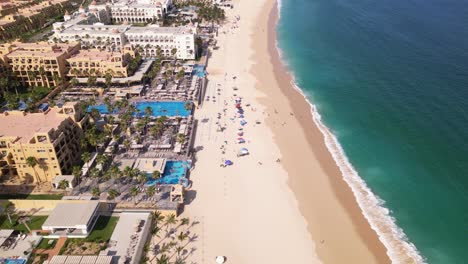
<point>53,251</point>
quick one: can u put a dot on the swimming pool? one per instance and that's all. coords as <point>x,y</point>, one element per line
<point>173,171</point>
<point>101,108</point>
<point>163,108</point>
<point>199,70</point>
<point>14,261</point>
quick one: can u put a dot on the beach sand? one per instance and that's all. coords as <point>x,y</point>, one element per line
<point>286,202</point>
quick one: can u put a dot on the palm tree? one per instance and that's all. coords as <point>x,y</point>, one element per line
<point>182,237</point>
<point>188,106</point>
<point>134,192</point>
<point>24,221</point>
<point>184,221</point>
<point>94,173</point>
<point>86,157</point>
<point>170,220</point>
<point>112,194</point>
<point>180,138</point>
<point>32,162</point>
<point>76,172</point>
<point>102,159</point>
<point>127,172</point>
<point>9,209</point>
<point>95,192</point>
<point>142,178</point>
<point>156,174</point>
<point>163,259</point>
<point>149,111</point>
<point>127,144</point>
<point>150,191</point>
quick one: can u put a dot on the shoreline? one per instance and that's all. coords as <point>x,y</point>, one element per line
<point>321,231</point>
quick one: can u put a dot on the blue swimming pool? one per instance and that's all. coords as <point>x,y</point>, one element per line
<point>101,108</point>
<point>14,261</point>
<point>163,108</point>
<point>173,171</point>
<point>199,70</point>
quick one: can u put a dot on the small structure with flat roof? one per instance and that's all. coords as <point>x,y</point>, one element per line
<point>149,165</point>
<point>66,259</point>
<point>129,237</point>
<point>72,219</point>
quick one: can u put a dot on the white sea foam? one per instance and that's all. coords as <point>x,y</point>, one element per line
<point>399,248</point>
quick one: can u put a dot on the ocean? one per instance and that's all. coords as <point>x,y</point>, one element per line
<point>390,81</point>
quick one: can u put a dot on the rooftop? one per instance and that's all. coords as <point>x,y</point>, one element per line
<point>64,259</point>
<point>25,125</point>
<point>149,165</point>
<point>71,214</point>
<point>129,236</point>
<point>96,55</point>
<point>154,29</point>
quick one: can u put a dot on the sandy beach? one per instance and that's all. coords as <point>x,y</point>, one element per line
<point>286,202</point>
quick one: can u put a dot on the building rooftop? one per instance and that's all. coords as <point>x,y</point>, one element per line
<point>71,214</point>
<point>149,165</point>
<point>154,29</point>
<point>25,125</point>
<point>65,259</point>
<point>129,236</point>
<point>96,55</point>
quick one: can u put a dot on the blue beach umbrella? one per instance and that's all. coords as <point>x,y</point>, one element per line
<point>228,162</point>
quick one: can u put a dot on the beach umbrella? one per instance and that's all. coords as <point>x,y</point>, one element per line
<point>228,162</point>
<point>241,116</point>
<point>220,259</point>
<point>243,122</point>
<point>240,133</point>
<point>244,151</point>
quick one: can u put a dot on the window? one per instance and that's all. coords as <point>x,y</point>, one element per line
<point>41,150</point>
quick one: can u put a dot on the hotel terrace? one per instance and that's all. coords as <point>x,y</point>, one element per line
<point>98,63</point>
<point>38,64</point>
<point>52,138</point>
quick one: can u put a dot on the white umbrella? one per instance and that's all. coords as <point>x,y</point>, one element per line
<point>220,259</point>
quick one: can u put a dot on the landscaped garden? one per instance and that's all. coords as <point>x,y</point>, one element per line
<point>96,240</point>
<point>31,196</point>
<point>33,222</point>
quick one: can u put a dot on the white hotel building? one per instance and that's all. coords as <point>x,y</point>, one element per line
<point>134,11</point>
<point>119,37</point>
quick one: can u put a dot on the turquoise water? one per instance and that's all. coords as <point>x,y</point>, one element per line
<point>15,261</point>
<point>390,79</point>
<point>173,171</point>
<point>164,108</point>
<point>101,108</point>
<point>199,70</point>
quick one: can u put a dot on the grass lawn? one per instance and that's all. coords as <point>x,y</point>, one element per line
<point>35,223</point>
<point>103,229</point>
<point>31,196</point>
<point>45,243</point>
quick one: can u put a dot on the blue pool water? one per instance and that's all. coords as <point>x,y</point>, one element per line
<point>101,108</point>
<point>15,261</point>
<point>199,70</point>
<point>164,108</point>
<point>173,171</point>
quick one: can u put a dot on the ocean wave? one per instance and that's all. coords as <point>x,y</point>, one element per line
<point>399,248</point>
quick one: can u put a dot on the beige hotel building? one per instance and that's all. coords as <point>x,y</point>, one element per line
<point>51,137</point>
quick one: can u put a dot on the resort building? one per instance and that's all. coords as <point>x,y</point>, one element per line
<point>139,11</point>
<point>38,64</point>
<point>152,39</point>
<point>99,63</point>
<point>39,146</point>
<point>72,219</point>
<point>134,11</point>
<point>166,40</point>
